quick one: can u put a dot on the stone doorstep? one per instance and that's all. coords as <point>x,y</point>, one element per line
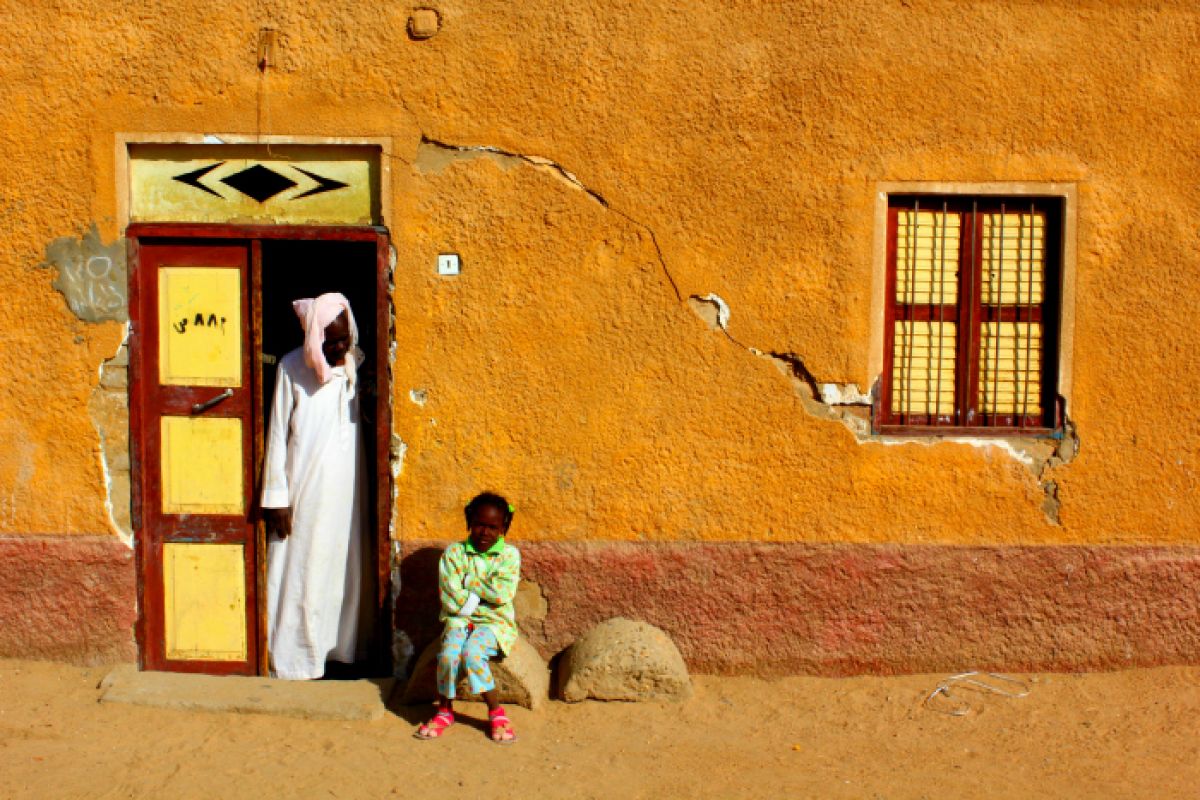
<point>335,700</point>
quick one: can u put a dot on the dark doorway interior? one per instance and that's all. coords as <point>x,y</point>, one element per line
<point>295,269</point>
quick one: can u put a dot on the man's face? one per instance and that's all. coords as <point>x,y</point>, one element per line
<point>487,526</point>
<point>337,340</point>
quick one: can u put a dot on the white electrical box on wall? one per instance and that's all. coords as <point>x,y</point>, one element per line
<point>448,264</point>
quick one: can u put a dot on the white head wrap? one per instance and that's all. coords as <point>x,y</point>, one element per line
<point>315,315</point>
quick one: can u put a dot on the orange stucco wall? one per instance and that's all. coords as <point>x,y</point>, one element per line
<point>742,141</point>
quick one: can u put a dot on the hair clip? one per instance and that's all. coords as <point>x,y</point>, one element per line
<point>512,509</point>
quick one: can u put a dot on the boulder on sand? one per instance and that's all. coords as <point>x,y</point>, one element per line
<point>522,677</point>
<point>622,659</point>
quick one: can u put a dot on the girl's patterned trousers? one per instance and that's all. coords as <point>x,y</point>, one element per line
<point>472,645</point>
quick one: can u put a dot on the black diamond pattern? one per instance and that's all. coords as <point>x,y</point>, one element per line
<point>259,182</point>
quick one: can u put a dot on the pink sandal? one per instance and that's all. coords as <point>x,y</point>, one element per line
<point>435,727</point>
<point>501,725</point>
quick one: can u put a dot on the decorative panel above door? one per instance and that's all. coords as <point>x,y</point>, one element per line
<point>290,184</point>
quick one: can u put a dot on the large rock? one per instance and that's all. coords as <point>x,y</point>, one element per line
<point>522,678</point>
<point>621,659</point>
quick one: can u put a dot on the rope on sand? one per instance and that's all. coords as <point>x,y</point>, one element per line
<point>972,680</point>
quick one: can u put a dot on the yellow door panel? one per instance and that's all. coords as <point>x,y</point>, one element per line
<point>200,326</point>
<point>204,593</point>
<point>201,463</point>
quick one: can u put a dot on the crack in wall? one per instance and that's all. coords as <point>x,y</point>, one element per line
<point>844,403</point>
<point>830,401</point>
<point>433,155</point>
<point>856,417</point>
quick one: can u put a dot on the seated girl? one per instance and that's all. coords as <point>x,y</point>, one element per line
<point>477,580</point>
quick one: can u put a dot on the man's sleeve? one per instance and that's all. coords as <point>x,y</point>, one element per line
<point>275,483</point>
<point>501,585</point>
<point>450,581</point>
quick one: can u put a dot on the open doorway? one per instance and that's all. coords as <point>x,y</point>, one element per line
<point>295,269</point>
<point>211,315</point>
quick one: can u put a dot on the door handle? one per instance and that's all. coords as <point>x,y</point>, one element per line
<point>200,408</point>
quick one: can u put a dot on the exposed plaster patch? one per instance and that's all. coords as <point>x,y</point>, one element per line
<point>418,396</point>
<point>711,308</point>
<point>108,408</point>
<point>843,394</point>
<point>396,447</point>
<point>1065,452</point>
<point>91,275</point>
<point>1050,505</point>
<point>399,450</point>
<point>1024,451</point>
<point>402,647</point>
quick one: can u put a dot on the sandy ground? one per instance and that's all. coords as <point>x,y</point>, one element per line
<point>1112,735</point>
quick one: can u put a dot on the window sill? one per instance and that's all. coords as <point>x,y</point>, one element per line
<point>954,431</point>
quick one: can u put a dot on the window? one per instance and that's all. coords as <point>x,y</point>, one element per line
<point>971,314</point>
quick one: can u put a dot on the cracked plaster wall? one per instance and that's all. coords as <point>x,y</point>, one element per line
<point>736,148</point>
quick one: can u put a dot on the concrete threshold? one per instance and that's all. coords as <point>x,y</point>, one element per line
<point>344,700</point>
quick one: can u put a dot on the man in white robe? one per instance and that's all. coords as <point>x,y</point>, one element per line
<point>314,498</point>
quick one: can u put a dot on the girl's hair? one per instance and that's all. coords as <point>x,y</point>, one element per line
<point>489,499</point>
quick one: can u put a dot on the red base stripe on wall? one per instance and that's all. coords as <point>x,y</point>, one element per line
<point>67,598</point>
<point>845,609</point>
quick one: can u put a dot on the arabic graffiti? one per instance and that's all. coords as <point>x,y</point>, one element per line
<point>91,276</point>
<point>201,320</point>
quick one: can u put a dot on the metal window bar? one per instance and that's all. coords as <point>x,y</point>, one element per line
<point>929,325</point>
<point>941,299</point>
<point>1017,374</point>
<point>910,274</point>
<point>962,416</point>
<point>997,283</point>
<point>1028,337</point>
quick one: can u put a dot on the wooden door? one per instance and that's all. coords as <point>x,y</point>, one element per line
<point>193,423</point>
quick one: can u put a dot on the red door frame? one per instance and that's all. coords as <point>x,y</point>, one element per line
<point>141,348</point>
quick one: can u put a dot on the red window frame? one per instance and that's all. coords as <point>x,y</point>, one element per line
<point>970,314</point>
